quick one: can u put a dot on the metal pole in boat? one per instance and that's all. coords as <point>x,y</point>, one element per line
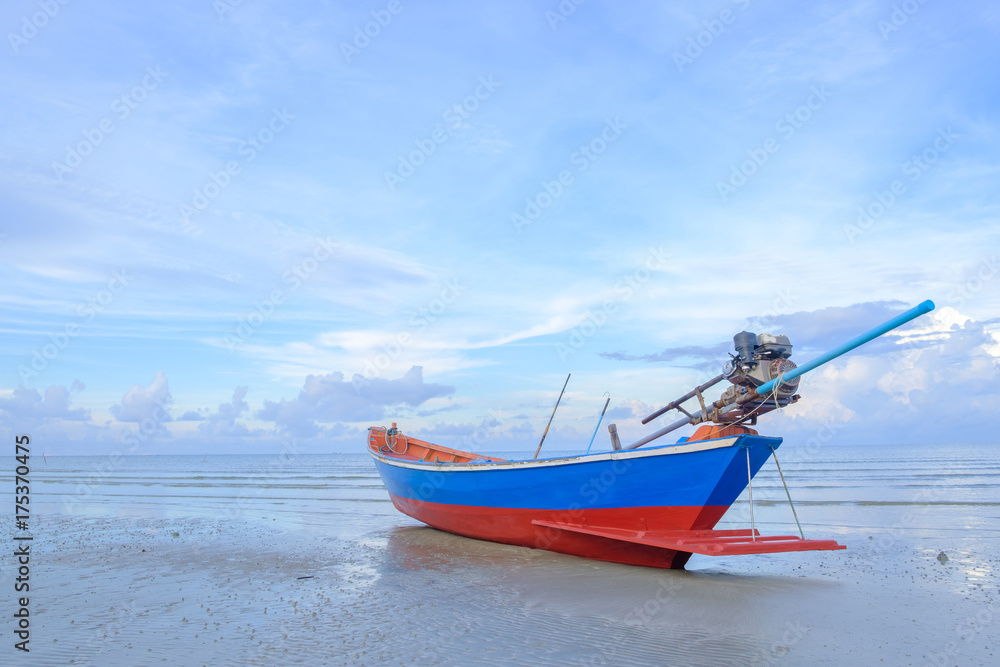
<point>677,403</point>
<point>599,420</point>
<point>553,416</point>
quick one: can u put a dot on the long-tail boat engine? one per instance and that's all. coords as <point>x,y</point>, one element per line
<point>763,378</point>
<point>759,359</point>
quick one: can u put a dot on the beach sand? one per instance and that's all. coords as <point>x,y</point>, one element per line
<point>259,589</point>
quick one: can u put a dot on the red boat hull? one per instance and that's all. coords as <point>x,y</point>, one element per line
<point>653,507</point>
<point>514,526</point>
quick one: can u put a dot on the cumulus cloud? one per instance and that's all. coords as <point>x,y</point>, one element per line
<point>936,384</point>
<point>28,406</point>
<point>829,327</point>
<point>490,424</point>
<point>331,398</point>
<point>141,403</point>
<point>223,421</point>
<point>933,379</point>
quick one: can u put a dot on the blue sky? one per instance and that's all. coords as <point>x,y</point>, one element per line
<point>228,226</point>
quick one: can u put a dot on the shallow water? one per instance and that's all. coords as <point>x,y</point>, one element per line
<point>232,560</point>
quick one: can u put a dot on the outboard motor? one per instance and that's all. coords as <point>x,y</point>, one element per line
<point>759,358</point>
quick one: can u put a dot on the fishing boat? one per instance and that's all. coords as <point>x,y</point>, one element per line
<point>652,506</point>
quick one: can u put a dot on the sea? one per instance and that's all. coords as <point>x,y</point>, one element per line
<point>302,559</point>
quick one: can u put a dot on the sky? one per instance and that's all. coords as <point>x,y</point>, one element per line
<point>238,226</point>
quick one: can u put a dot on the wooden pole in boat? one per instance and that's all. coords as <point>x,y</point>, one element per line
<point>553,415</point>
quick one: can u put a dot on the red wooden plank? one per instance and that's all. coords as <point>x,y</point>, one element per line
<point>706,542</point>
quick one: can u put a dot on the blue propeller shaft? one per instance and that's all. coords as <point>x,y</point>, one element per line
<point>899,320</point>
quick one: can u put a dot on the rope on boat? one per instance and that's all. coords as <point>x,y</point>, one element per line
<point>790,503</point>
<point>774,398</point>
<point>395,438</point>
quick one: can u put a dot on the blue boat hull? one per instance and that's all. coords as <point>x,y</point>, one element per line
<point>681,487</point>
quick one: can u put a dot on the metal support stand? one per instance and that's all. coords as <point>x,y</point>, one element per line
<point>753,530</point>
<point>790,503</point>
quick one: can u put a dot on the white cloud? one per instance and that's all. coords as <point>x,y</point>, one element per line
<point>24,407</point>
<point>141,403</point>
<point>938,385</point>
<point>331,398</point>
<point>223,422</point>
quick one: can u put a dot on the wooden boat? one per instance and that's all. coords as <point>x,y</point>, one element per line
<point>655,507</point>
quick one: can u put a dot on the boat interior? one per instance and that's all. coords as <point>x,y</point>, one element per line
<point>390,442</point>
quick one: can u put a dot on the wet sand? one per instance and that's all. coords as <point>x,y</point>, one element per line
<point>260,589</point>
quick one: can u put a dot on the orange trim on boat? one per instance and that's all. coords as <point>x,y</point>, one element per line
<point>404,447</point>
<point>713,431</point>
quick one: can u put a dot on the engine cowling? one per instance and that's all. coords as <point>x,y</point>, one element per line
<point>759,359</point>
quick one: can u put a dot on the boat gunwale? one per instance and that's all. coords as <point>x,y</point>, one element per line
<point>662,450</point>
